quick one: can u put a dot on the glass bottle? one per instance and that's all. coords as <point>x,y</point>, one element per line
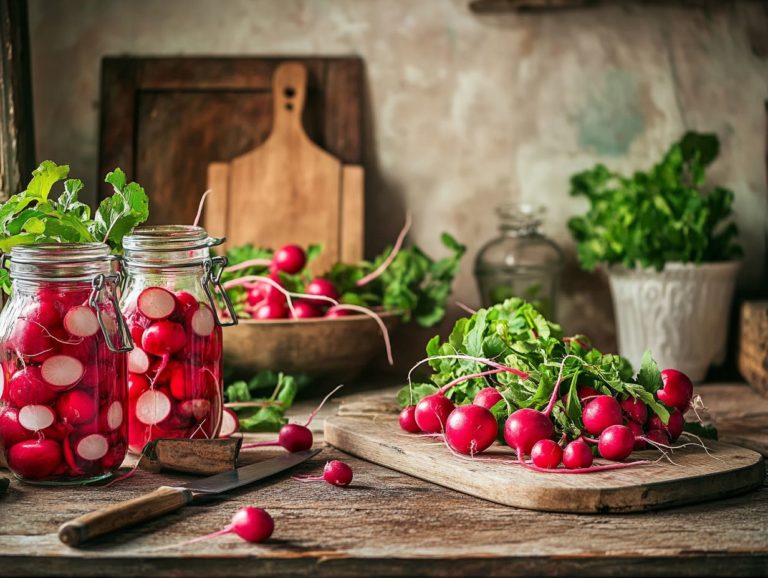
<point>520,262</point>
<point>175,369</point>
<point>63,345</point>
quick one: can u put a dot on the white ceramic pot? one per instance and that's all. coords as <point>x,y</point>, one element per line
<point>680,314</point>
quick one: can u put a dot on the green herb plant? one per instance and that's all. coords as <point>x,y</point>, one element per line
<point>663,215</point>
<point>263,413</point>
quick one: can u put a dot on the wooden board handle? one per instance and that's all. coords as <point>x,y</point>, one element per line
<point>289,90</point>
<point>162,501</point>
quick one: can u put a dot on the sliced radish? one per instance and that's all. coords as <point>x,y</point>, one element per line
<point>202,321</point>
<point>36,417</point>
<point>156,303</point>
<point>138,361</point>
<point>152,407</point>
<point>229,423</point>
<point>81,321</point>
<point>115,415</point>
<point>197,408</point>
<point>62,371</point>
<point>92,447</point>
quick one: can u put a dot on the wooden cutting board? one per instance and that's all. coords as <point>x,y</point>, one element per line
<point>368,429</point>
<point>289,190</point>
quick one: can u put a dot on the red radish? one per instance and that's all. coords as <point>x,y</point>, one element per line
<point>304,310</point>
<point>577,455</point>
<point>657,436</point>
<point>487,397</point>
<point>81,321</point>
<point>470,429</point>
<point>202,321</point>
<point>335,473</point>
<point>11,431</point>
<point>156,303</point>
<point>92,447</point>
<point>163,338</point>
<point>639,433</point>
<point>229,423</point>
<point>407,420</point>
<point>677,390</point>
<point>34,459</point>
<point>254,297</point>
<point>138,361</point>
<point>36,417</point>
<point>674,427</point>
<point>525,427</point>
<point>289,259</point>
<point>185,302</point>
<point>322,288</point>
<point>432,412</point>
<point>196,408</point>
<point>137,332</point>
<point>251,524</point>
<point>181,387</point>
<point>546,454</point>
<point>270,311</point>
<point>583,392</point>
<point>616,443</point>
<point>152,407</point>
<point>62,371</point>
<point>335,311</point>
<point>45,312</point>
<point>137,384</point>
<point>76,407</point>
<point>600,413</point>
<point>26,386</point>
<point>271,293</point>
<point>30,339</point>
<point>635,410</point>
<point>115,415</point>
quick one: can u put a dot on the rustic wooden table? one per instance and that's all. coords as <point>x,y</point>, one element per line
<point>390,524</point>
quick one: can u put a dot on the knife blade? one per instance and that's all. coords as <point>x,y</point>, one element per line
<point>167,499</point>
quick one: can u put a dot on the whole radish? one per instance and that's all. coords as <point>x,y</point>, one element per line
<point>407,419</point>
<point>289,259</point>
<point>487,397</point>
<point>525,427</point>
<point>334,312</point>
<point>635,410</point>
<point>577,455</point>
<point>639,433</point>
<point>674,427</point>
<point>677,389</point>
<point>658,436</point>
<point>335,473</point>
<point>432,412</point>
<point>34,459</point>
<point>585,392</point>
<point>270,311</point>
<point>11,431</point>
<point>546,454</point>
<point>470,429</point>
<point>305,310</point>
<point>27,386</point>
<point>601,412</point>
<point>45,312</point>
<point>322,288</point>
<point>616,443</point>
<point>251,524</point>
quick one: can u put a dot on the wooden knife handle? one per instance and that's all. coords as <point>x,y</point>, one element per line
<point>162,501</point>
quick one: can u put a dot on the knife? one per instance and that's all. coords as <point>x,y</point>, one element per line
<point>167,499</point>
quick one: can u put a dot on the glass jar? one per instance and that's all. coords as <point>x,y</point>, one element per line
<point>175,369</point>
<point>63,346</point>
<point>520,262</point>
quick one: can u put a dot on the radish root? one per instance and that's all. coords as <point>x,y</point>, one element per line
<point>200,207</point>
<point>391,257</point>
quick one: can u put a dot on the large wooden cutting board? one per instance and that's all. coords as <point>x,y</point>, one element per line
<point>367,430</point>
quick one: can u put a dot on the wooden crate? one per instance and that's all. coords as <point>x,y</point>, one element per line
<point>753,345</point>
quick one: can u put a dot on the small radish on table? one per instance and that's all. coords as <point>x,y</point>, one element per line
<point>335,472</point>
<point>251,524</point>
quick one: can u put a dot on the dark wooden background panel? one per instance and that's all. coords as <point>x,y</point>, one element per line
<point>164,119</point>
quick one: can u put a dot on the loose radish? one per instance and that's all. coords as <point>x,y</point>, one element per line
<point>322,288</point>
<point>674,427</point>
<point>470,429</point>
<point>202,321</point>
<point>229,423</point>
<point>163,338</point>
<point>335,473</point>
<point>156,303</point>
<point>577,455</point>
<point>76,407</point>
<point>35,459</point>
<point>115,415</point>
<point>616,443</point>
<point>92,447</point>
<point>635,410</point>
<point>407,420</point>
<point>677,389</point>
<point>601,412</point>
<point>251,524</point>
<point>26,386</point>
<point>62,371</point>
<point>81,321</point>
<point>11,431</point>
<point>289,259</point>
<point>304,310</point>
<point>487,397</point>
<point>546,454</point>
<point>152,407</point>
<point>196,408</point>
<point>36,417</point>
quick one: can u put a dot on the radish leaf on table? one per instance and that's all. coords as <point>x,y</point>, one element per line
<point>271,415</point>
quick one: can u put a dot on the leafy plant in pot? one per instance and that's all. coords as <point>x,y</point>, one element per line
<point>671,252</point>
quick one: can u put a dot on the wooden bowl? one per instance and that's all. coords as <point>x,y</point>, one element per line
<point>337,347</point>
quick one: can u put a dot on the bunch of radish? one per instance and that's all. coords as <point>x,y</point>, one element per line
<point>620,426</point>
<point>63,392</point>
<point>174,379</point>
